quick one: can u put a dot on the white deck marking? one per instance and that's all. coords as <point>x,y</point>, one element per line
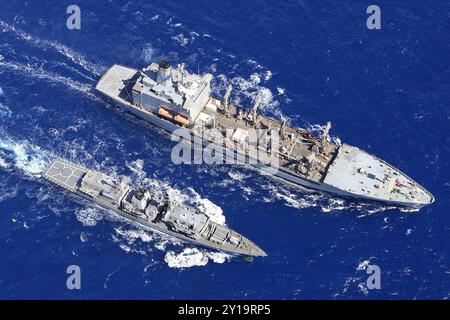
<point>62,172</point>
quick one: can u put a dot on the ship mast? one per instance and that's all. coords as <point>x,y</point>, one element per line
<point>182,72</point>
<point>325,136</point>
<point>282,126</point>
<point>255,111</point>
<point>226,100</point>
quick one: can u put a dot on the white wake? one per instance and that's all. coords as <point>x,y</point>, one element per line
<point>67,52</point>
<point>26,157</point>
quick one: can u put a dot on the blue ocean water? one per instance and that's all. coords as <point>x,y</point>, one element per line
<point>386,91</point>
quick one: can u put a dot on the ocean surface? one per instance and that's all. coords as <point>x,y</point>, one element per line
<point>386,91</point>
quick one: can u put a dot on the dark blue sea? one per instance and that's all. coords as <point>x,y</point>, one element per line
<point>386,91</point>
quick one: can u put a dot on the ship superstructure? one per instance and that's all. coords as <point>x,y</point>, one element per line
<point>150,209</point>
<point>172,98</point>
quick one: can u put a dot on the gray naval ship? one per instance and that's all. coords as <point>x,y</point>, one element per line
<point>149,209</point>
<point>171,98</point>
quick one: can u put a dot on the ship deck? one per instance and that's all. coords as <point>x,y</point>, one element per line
<point>342,167</point>
<point>114,83</point>
<point>362,174</point>
<point>69,176</point>
<point>295,149</point>
<point>64,174</point>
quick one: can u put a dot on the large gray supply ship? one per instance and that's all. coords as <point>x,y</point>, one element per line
<point>149,209</point>
<point>171,98</point>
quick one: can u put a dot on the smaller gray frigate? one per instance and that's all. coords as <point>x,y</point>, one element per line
<point>149,209</point>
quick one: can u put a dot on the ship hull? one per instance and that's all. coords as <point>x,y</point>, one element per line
<point>154,228</point>
<point>113,195</point>
<point>267,170</point>
<point>335,187</point>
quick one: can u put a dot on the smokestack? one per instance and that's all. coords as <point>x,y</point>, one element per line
<point>164,76</point>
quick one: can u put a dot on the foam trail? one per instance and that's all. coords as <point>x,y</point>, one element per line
<point>248,90</point>
<point>192,198</point>
<point>4,164</point>
<point>89,216</point>
<point>148,53</point>
<point>69,53</point>
<point>34,70</point>
<point>5,112</point>
<point>26,157</point>
<point>191,257</point>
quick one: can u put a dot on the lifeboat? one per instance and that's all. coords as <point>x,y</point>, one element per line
<point>309,136</point>
<point>181,119</point>
<point>165,113</point>
<point>178,118</point>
